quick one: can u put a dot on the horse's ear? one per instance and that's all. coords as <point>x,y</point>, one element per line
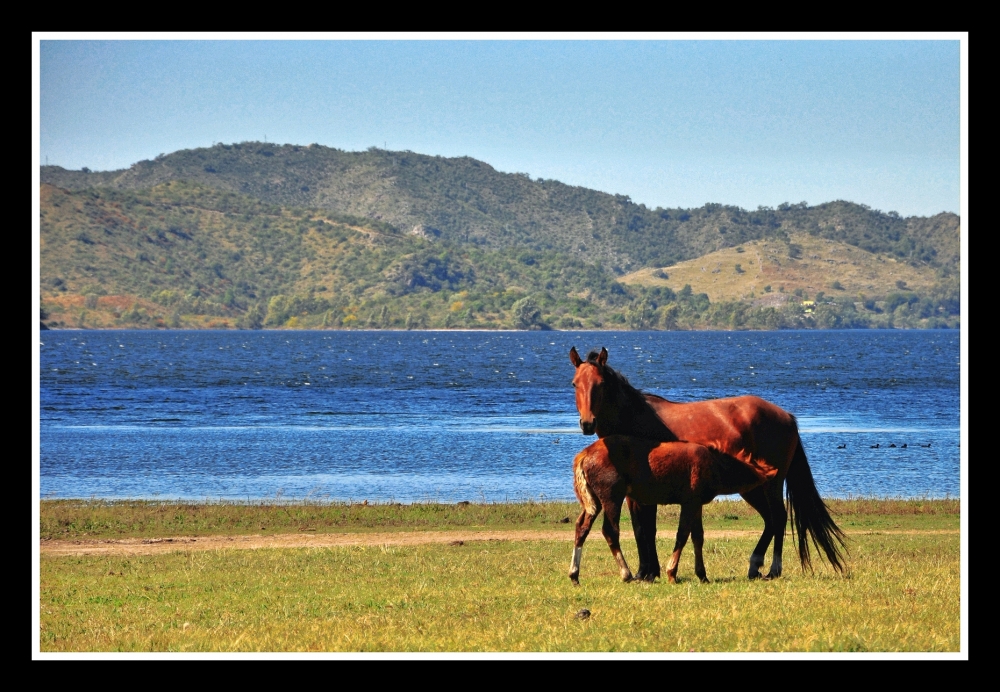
<point>603,358</point>
<point>575,358</point>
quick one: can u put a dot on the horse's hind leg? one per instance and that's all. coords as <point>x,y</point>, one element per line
<point>684,527</point>
<point>757,499</point>
<point>612,513</point>
<point>583,524</point>
<point>779,519</point>
<point>698,539</point>
<point>644,528</point>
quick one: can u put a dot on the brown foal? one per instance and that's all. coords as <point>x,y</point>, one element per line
<point>653,473</point>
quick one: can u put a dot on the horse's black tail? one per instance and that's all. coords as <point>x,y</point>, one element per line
<point>809,514</point>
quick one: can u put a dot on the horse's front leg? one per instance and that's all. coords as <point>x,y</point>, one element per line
<point>583,524</point>
<point>612,513</point>
<point>644,528</point>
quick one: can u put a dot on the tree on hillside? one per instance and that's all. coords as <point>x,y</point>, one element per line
<point>526,314</point>
<point>668,315</point>
<point>253,319</point>
<point>639,315</point>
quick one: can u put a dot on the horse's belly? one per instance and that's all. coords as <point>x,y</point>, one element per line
<point>733,475</point>
<point>658,494</point>
<point>763,470</point>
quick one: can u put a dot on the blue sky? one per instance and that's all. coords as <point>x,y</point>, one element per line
<point>667,122</point>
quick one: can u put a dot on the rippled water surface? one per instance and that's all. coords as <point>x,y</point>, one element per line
<point>411,416</point>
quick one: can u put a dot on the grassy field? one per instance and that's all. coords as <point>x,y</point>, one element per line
<point>901,592</point>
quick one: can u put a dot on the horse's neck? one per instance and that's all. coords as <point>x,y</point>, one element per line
<point>634,416</point>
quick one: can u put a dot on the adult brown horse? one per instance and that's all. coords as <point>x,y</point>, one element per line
<point>747,428</point>
<point>653,473</point>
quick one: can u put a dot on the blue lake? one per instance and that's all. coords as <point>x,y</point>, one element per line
<point>416,416</point>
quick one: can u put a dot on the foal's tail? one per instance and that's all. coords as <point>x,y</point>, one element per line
<point>809,514</point>
<point>588,499</point>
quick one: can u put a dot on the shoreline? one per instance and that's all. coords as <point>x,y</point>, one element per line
<point>392,502</point>
<point>506,331</point>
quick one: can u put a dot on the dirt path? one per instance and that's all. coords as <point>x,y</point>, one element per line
<point>153,546</point>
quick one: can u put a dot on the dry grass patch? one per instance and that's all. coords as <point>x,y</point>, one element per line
<point>764,263</point>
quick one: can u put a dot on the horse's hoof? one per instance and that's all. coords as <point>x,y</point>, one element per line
<point>575,580</point>
<point>649,578</point>
<point>754,575</point>
<point>647,574</point>
<point>704,580</point>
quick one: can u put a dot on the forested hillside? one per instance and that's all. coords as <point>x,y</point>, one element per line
<point>468,201</point>
<point>256,235</point>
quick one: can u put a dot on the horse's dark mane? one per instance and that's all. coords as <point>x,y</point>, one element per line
<point>627,400</point>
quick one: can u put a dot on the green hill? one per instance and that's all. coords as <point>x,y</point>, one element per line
<point>257,234</point>
<point>181,254</point>
<point>469,201</point>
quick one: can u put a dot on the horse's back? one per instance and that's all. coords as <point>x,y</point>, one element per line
<point>747,427</point>
<point>747,409</point>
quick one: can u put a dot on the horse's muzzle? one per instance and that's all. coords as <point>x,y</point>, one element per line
<point>587,428</point>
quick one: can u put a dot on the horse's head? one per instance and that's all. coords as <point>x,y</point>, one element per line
<point>589,385</point>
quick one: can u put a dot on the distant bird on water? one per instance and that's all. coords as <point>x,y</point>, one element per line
<point>892,444</point>
<point>875,446</point>
<point>902,446</point>
<point>843,446</point>
<point>926,445</point>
